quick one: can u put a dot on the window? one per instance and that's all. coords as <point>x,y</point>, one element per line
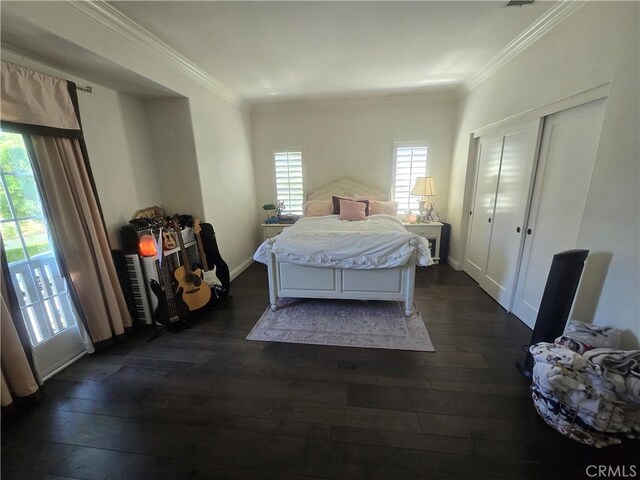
<point>289,187</point>
<point>41,288</point>
<point>410,162</point>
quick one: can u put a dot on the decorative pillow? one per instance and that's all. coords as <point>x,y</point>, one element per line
<point>352,211</point>
<point>336,204</point>
<point>388,208</point>
<point>317,208</point>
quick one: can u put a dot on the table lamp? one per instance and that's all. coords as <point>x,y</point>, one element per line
<point>424,188</point>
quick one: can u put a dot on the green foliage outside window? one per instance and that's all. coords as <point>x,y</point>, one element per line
<point>19,181</point>
<point>18,177</point>
<point>15,254</point>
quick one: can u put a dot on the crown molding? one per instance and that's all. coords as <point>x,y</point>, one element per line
<point>119,23</point>
<point>551,18</point>
<point>338,102</point>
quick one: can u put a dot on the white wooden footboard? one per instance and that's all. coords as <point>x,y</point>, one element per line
<point>300,281</point>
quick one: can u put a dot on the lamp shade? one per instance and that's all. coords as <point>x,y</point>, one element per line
<point>424,187</point>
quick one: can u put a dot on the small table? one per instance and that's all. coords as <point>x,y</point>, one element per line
<point>431,231</point>
<point>270,230</point>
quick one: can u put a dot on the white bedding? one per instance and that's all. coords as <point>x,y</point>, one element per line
<point>378,242</point>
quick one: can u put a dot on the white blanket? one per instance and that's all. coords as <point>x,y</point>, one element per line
<point>380,241</point>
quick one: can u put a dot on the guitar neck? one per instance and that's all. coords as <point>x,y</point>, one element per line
<point>203,256</point>
<point>183,250</point>
<point>168,292</point>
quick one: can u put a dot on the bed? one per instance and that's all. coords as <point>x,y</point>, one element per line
<point>322,263</point>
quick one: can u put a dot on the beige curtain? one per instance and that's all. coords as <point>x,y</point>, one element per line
<point>34,98</point>
<point>46,108</point>
<point>17,377</point>
<point>81,236</point>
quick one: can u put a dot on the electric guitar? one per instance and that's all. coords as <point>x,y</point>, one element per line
<point>170,310</point>
<point>195,292</point>
<point>210,276</point>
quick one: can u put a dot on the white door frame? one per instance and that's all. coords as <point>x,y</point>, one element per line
<point>551,240</point>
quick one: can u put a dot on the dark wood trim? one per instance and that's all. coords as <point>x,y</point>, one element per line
<point>21,404</point>
<point>39,130</point>
<point>105,345</point>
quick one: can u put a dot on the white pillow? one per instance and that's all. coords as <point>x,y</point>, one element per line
<point>389,208</point>
<point>317,208</point>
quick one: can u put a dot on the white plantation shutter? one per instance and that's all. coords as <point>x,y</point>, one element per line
<point>410,163</point>
<point>289,181</point>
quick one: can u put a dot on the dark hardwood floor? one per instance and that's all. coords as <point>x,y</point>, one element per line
<point>205,403</point>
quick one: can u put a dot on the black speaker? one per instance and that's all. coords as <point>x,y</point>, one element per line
<point>129,237</point>
<point>557,299</point>
<point>445,236</point>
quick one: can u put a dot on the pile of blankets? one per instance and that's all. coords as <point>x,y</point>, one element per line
<point>586,392</point>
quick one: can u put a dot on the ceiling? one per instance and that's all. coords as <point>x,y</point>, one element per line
<point>272,51</point>
<point>277,51</point>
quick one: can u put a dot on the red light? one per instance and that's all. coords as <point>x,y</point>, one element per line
<point>147,246</point>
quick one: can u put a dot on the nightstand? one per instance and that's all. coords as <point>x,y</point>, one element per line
<point>270,230</point>
<point>431,231</point>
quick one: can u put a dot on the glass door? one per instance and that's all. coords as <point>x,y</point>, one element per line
<point>42,292</point>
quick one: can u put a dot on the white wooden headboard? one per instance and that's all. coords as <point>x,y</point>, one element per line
<point>347,187</point>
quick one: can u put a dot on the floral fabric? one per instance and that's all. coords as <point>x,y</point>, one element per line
<point>583,399</point>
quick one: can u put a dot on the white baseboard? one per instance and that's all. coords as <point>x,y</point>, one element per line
<point>241,268</point>
<point>454,263</point>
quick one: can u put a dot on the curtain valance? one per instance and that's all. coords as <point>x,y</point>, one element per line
<point>34,99</point>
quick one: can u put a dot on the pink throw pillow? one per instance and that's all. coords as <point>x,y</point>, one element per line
<point>336,204</point>
<point>352,211</point>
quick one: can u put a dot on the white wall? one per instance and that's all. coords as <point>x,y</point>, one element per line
<point>223,188</point>
<point>596,45</point>
<point>119,145</point>
<point>175,156</point>
<point>354,137</point>
<point>228,184</point>
<point>117,137</point>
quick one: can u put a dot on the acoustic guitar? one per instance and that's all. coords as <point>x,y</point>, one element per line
<point>210,276</point>
<point>168,241</point>
<point>195,292</point>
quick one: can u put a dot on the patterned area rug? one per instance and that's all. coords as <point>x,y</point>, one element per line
<point>347,323</point>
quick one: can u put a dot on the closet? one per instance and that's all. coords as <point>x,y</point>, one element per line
<point>503,187</point>
<point>531,187</point>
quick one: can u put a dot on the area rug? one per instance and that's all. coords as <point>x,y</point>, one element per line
<point>348,323</point>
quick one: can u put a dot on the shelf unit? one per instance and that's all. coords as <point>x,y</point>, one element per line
<point>149,263</point>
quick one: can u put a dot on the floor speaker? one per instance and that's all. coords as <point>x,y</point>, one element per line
<point>557,299</point>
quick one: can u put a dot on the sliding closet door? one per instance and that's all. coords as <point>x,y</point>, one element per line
<point>567,155</point>
<point>519,154</point>
<point>487,172</point>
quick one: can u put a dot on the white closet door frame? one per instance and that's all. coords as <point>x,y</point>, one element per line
<point>520,147</point>
<point>570,101</point>
<point>556,227</point>
<point>482,208</point>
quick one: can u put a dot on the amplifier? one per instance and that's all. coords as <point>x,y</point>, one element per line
<point>129,236</point>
